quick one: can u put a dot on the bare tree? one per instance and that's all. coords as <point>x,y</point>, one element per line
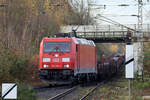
<point>24,24</point>
<point>81,12</point>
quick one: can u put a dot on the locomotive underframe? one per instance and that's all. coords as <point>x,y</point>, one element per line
<point>65,75</point>
<point>56,74</point>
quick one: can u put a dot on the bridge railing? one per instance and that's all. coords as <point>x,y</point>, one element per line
<point>100,34</point>
<point>98,31</point>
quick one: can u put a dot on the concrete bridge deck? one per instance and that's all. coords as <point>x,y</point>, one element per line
<point>108,33</point>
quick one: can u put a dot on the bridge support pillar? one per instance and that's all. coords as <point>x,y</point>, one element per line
<point>138,58</point>
<point>135,46</point>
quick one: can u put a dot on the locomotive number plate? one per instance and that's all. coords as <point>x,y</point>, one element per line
<point>56,60</point>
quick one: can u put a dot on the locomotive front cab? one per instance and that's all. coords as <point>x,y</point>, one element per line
<point>56,61</point>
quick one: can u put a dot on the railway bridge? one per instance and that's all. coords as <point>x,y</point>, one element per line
<point>115,34</point>
<point>109,33</point>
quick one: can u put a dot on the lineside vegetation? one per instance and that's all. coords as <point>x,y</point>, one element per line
<point>23,25</point>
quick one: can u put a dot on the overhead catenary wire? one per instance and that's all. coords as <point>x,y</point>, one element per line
<point>119,5</point>
<point>116,23</point>
<point>107,21</point>
<point>115,15</point>
<point>145,10</point>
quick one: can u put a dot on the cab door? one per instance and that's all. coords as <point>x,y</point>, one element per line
<point>78,57</point>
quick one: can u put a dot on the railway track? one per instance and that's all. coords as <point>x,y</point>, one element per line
<point>92,90</point>
<point>61,95</point>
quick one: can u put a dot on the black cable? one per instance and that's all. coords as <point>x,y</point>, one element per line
<point>146,10</point>
<point>107,21</point>
<point>114,22</point>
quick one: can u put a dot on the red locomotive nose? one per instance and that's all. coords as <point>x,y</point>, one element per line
<point>56,48</point>
<point>57,60</point>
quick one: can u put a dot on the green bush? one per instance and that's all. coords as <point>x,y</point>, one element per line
<point>5,65</point>
<point>13,67</point>
<point>142,85</point>
<point>26,93</point>
<point>147,58</point>
<point>19,68</point>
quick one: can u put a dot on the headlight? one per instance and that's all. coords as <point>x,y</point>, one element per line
<point>46,59</point>
<point>65,59</point>
<point>45,66</point>
<point>67,66</point>
<point>56,55</point>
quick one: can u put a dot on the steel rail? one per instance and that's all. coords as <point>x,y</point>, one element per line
<point>92,90</point>
<point>86,95</point>
<point>61,95</point>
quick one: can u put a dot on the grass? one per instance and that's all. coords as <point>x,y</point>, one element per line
<point>117,89</point>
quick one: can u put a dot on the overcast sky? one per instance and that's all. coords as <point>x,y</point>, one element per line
<point>113,11</point>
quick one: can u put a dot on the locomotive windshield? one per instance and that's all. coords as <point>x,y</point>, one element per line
<point>56,46</point>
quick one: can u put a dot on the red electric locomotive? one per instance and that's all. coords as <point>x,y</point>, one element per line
<point>67,59</point>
